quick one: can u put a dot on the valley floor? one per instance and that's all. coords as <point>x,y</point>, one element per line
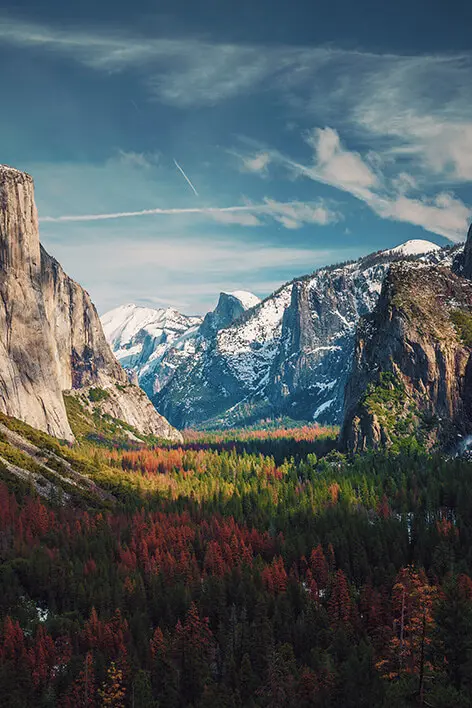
<point>238,569</point>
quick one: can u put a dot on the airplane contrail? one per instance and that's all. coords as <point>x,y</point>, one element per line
<point>148,212</point>
<point>185,176</point>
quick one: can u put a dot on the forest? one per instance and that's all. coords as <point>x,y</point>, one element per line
<point>240,569</point>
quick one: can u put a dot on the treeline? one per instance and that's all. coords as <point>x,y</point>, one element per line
<point>281,444</point>
<point>225,579</point>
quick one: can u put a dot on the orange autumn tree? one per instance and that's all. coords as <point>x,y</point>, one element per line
<point>113,690</point>
<point>412,608</point>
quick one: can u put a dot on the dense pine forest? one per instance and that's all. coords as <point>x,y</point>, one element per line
<point>248,568</point>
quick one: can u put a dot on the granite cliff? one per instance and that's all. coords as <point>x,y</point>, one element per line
<point>411,379</point>
<point>52,339</point>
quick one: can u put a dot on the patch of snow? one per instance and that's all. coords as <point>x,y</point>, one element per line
<point>246,298</point>
<point>414,247</point>
<point>250,346</point>
<point>322,408</point>
<point>325,386</point>
<point>42,614</point>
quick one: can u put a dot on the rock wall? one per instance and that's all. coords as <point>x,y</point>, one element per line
<point>52,336</point>
<point>412,369</point>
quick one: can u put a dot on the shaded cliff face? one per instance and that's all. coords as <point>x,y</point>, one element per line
<point>412,370</point>
<point>52,337</point>
<point>309,373</point>
<point>462,264</point>
<point>227,311</point>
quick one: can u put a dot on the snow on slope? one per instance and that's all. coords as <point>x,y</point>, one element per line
<point>125,322</point>
<point>249,347</point>
<point>290,352</point>
<point>155,342</point>
<point>246,298</point>
<point>141,336</point>
<point>414,247</point>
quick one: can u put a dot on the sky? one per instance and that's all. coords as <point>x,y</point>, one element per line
<point>182,148</point>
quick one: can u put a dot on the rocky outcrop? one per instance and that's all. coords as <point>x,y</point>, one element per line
<point>309,373</point>
<point>411,377</point>
<point>227,311</point>
<point>462,264</point>
<point>52,336</point>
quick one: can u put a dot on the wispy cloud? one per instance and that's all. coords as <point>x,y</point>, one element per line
<point>293,215</point>
<point>335,165</point>
<point>189,71</point>
<point>289,214</point>
<point>136,159</point>
<point>192,270</point>
<point>257,163</point>
<point>412,115</point>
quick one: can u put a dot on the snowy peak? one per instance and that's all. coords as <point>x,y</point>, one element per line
<point>229,308</point>
<point>140,337</point>
<point>122,324</point>
<point>414,247</point>
<point>246,298</point>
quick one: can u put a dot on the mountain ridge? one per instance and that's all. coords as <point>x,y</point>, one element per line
<point>275,357</point>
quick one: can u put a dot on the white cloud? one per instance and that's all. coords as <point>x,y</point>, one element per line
<point>338,166</point>
<point>188,271</point>
<point>136,159</point>
<point>404,182</point>
<point>333,164</point>
<point>258,163</point>
<point>443,214</point>
<point>241,218</point>
<point>294,214</point>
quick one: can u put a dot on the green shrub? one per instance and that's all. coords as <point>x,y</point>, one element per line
<point>463,323</point>
<point>98,394</point>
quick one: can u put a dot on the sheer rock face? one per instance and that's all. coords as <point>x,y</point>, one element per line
<point>463,262</point>
<point>52,337</point>
<point>228,309</point>
<point>412,368</point>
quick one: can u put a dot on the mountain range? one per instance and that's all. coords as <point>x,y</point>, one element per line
<point>287,355</point>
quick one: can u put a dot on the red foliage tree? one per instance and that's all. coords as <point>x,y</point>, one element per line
<point>340,604</point>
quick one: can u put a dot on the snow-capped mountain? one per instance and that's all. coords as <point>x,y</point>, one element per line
<point>141,337</point>
<point>289,354</point>
<point>153,343</point>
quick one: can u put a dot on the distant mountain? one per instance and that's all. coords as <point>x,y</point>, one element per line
<point>52,340</point>
<point>149,342</point>
<point>287,355</point>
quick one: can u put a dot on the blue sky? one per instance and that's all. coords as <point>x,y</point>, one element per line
<point>310,133</point>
